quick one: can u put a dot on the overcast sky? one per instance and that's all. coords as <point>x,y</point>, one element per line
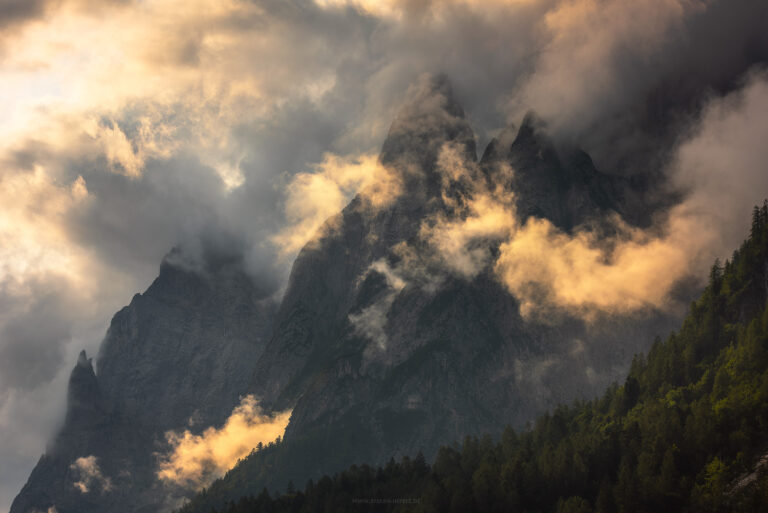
<point>130,126</point>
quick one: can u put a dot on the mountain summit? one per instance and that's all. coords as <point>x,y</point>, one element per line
<point>177,357</point>
<point>379,347</point>
<point>381,350</point>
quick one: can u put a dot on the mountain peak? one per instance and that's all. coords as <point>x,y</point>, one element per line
<point>83,360</point>
<point>561,186</point>
<point>84,404</point>
<point>429,117</point>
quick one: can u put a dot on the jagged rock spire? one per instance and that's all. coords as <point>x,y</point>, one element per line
<point>429,118</point>
<point>84,402</point>
<point>564,187</point>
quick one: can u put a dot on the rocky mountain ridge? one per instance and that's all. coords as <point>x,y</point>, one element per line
<point>381,350</point>
<point>178,357</point>
<point>378,347</point>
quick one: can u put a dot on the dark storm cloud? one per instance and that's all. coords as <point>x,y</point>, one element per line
<point>131,222</point>
<point>626,79</point>
<point>36,324</point>
<point>16,12</point>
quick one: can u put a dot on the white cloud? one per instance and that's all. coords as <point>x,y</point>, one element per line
<point>89,476</point>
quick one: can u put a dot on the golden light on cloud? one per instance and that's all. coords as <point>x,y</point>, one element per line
<point>544,267</point>
<point>185,70</point>
<point>131,127</point>
<point>547,269</point>
<point>32,240</point>
<point>486,219</point>
<point>487,215</point>
<point>315,197</point>
<point>196,460</point>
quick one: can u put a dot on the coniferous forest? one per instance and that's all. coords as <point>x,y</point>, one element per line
<point>686,431</point>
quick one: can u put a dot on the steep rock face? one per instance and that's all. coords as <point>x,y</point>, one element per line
<point>377,347</point>
<point>178,357</point>
<point>65,478</point>
<point>183,351</point>
<point>323,283</point>
<point>567,190</point>
<point>85,405</point>
<point>382,352</point>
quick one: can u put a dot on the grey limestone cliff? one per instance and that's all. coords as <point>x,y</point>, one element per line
<point>381,351</point>
<point>380,347</point>
<point>178,357</point>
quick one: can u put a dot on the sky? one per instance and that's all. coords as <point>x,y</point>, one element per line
<point>128,127</point>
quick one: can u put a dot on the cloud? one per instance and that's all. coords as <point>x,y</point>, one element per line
<point>722,165</point>
<point>27,419</point>
<point>314,198</point>
<point>35,327</point>
<point>578,73</point>
<point>721,168</point>
<point>623,78</point>
<point>32,238</point>
<point>139,126</point>
<point>543,267</point>
<point>480,217</point>
<point>196,460</point>
<point>371,321</point>
<point>14,12</point>
<point>89,476</point>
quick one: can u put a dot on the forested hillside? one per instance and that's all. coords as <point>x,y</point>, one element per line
<point>686,431</point>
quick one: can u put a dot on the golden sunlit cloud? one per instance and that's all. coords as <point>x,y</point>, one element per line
<point>546,268</point>
<point>576,70</point>
<point>487,216</point>
<point>185,71</point>
<point>196,460</point>
<point>32,240</point>
<point>184,112</point>
<point>315,197</point>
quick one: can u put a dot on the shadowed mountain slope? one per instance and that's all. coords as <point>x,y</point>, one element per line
<point>178,357</point>
<point>381,350</point>
<point>382,346</point>
<point>684,433</point>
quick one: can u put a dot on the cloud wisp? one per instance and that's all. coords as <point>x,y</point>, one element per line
<point>721,169</point>
<point>89,476</point>
<point>315,198</point>
<point>194,461</point>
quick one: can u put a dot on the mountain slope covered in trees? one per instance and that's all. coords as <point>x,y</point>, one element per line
<point>687,431</point>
